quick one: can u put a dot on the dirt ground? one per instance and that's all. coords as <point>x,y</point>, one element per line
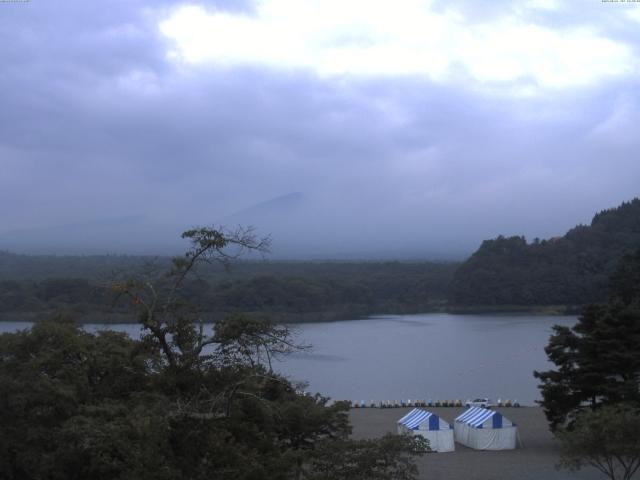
<point>536,460</point>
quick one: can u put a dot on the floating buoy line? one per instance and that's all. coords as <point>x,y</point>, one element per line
<point>426,403</point>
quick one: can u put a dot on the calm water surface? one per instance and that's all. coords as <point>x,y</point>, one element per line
<point>429,356</point>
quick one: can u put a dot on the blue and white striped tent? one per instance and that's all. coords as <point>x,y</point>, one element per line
<point>430,426</point>
<point>484,429</point>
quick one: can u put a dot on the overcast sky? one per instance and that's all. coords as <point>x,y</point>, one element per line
<point>398,128</point>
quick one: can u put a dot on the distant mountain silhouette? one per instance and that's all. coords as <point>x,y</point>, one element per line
<point>568,270</point>
<point>277,208</point>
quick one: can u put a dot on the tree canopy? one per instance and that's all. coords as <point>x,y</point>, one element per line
<point>181,402</point>
<point>568,270</point>
<point>606,439</point>
<point>286,291</point>
<point>597,360</point>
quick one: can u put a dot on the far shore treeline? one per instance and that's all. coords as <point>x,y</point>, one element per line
<point>556,275</point>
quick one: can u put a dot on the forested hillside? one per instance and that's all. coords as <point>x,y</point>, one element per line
<point>286,291</point>
<point>569,270</point>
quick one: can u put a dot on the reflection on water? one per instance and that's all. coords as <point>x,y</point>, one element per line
<point>450,357</point>
<point>388,358</point>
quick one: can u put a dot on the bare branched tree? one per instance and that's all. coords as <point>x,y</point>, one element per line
<point>169,321</point>
<point>240,350</point>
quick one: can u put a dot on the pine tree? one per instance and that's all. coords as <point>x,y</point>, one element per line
<point>598,360</point>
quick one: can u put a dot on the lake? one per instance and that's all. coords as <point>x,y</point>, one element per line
<point>428,356</point>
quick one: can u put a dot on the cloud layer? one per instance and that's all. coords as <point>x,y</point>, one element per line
<point>187,114</point>
<point>408,37</point>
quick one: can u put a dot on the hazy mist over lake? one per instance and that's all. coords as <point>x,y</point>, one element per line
<point>344,130</point>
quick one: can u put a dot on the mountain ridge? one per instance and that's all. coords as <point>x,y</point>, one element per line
<point>568,270</point>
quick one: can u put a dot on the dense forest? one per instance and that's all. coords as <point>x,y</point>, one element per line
<point>505,273</point>
<point>285,291</point>
<point>568,270</point>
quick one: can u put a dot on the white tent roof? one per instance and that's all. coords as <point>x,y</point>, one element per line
<point>477,416</point>
<point>417,417</point>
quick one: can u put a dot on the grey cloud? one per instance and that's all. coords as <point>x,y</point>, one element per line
<point>97,124</point>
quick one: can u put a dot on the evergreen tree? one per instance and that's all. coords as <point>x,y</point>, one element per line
<point>598,360</point>
<point>571,270</point>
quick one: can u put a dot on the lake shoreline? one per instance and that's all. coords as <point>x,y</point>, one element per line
<point>119,318</point>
